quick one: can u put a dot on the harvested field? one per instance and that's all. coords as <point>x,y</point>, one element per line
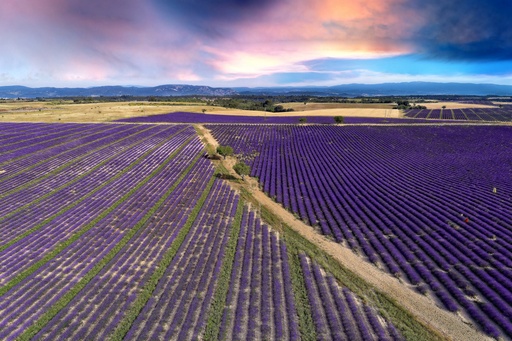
<point>454,105</point>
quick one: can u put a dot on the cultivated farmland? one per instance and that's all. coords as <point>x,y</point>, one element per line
<point>503,114</point>
<point>431,205</point>
<point>123,231</point>
<point>189,117</point>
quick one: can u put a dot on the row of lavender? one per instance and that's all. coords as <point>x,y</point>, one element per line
<point>81,154</point>
<point>83,228</point>
<point>337,313</point>
<point>190,117</point>
<point>260,303</point>
<point>84,234</point>
<point>471,114</point>
<point>67,209</point>
<point>97,311</point>
<point>430,204</point>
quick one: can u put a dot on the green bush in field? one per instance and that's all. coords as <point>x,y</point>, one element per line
<point>224,151</point>
<point>339,119</point>
<point>242,169</point>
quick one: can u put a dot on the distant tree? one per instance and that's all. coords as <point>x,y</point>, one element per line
<point>225,151</point>
<point>204,110</point>
<point>303,120</point>
<point>267,104</point>
<point>339,119</point>
<point>242,169</point>
<point>279,108</point>
<point>444,107</point>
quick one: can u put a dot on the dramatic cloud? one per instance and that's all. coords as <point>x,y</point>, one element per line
<point>96,42</point>
<point>76,42</point>
<point>464,30</point>
<point>214,18</point>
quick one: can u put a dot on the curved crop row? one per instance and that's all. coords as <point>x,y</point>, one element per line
<point>429,204</point>
<point>129,236</point>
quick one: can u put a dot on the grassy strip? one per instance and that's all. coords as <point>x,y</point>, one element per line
<point>81,176</point>
<point>64,244</point>
<point>67,297</point>
<point>146,293</point>
<point>409,326</point>
<point>306,324</point>
<point>58,169</point>
<point>218,305</point>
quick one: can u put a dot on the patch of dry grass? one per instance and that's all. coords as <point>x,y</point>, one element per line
<point>453,105</point>
<point>67,111</point>
<point>299,106</point>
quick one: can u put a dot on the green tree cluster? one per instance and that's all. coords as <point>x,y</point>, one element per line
<point>225,151</point>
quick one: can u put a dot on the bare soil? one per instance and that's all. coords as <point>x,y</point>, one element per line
<point>452,326</point>
<point>207,135</point>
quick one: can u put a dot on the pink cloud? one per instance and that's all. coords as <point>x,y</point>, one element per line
<point>115,41</point>
<point>310,29</point>
<point>131,41</point>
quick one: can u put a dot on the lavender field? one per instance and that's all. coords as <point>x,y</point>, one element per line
<point>431,205</point>
<point>122,231</point>
<point>190,117</point>
<point>497,114</point>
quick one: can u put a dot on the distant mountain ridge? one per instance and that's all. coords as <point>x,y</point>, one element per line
<point>389,89</point>
<point>112,91</point>
<point>346,90</point>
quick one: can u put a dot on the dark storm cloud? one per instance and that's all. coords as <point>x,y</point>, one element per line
<point>214,17</point>
<point>465,30</point>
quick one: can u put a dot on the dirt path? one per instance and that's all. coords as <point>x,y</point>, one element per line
<point>423,308</point>
<point>207,135</point>
<point>453,326</point>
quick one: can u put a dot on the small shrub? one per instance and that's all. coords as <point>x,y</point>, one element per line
<point>339,119</point>
<point>242,169</point>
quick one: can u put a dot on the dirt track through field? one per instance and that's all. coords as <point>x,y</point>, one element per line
<point>452,326</point>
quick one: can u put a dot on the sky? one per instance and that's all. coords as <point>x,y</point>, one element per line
<point>230,43</point>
